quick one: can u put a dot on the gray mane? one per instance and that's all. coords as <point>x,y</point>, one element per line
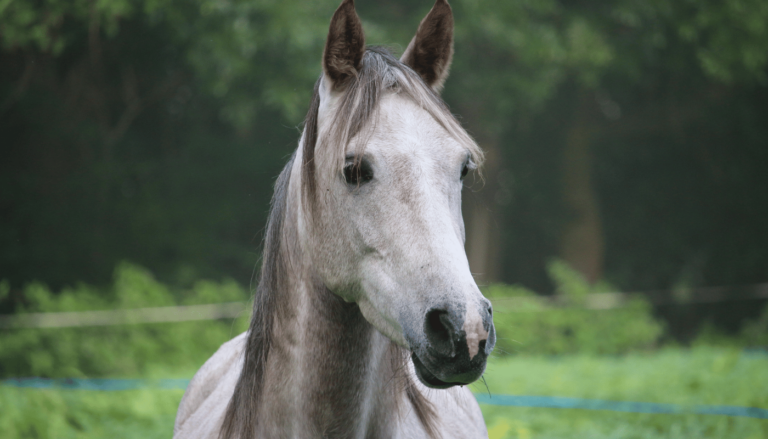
<point>242,411</point>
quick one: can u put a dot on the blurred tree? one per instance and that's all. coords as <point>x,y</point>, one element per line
<point>151,130</point>
<point>141,130</point>
<point>533,67</point>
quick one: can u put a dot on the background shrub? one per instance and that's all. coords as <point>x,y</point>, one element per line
<point>528,323</point>
<point>156,349</point>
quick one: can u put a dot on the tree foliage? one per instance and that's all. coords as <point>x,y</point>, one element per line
<point>151,130</point>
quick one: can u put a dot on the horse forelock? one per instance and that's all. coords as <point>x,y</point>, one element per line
<point>356,113</point>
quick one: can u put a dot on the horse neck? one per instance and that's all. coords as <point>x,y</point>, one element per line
<point>334,373</point>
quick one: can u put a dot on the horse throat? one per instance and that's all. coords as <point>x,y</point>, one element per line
<point>339,376</point>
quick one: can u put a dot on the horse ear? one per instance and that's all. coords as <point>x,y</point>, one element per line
<point>344,48</point>
<point>431,50</point>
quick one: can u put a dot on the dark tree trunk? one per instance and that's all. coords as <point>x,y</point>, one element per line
<point>482,223</point>
<point>581,244</point>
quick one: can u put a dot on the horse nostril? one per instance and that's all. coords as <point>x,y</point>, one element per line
<point>437,328</point>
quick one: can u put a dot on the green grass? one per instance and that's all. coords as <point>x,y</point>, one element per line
<point>525,423</point>
<point>703,375</point>
<point>50,413</point>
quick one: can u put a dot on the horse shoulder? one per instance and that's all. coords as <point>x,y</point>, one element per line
<point>202,408</point>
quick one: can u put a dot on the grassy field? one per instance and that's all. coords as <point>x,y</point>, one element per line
<point>700,376</point>
<point>703,375</point>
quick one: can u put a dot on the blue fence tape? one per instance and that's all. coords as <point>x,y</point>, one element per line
<point>554,402</point>
<point>557,402</point>
<point>97,383</point>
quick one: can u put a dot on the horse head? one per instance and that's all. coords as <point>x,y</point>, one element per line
<point>382,169</point>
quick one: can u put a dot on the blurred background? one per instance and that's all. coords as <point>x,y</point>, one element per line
<point>626,153</point>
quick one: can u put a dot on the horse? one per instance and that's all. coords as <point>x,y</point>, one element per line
<point>367,322</point>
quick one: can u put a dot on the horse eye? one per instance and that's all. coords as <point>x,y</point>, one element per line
<point>358,173</point>
<point>468,166</point>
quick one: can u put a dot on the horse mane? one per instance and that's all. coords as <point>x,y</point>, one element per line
<point>242,411</point>
<point>380,73</point>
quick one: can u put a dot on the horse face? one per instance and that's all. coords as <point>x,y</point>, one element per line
<point>393,242</point>
<point>385,230</point>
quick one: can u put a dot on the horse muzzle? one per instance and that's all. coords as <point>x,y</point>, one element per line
<point>455,346</point>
